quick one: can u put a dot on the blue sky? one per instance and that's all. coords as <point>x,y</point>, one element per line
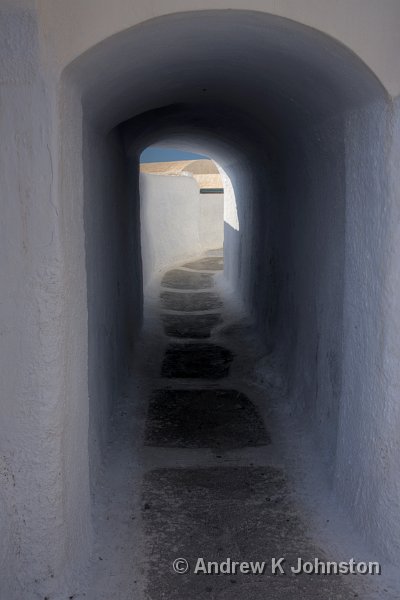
<point>155,154</point>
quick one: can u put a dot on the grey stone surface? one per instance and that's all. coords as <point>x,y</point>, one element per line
<point>221,419</point>
<point>190,326</point>
<point>197,361</point>
<point>185,280</point>
<point>190,301</point>
<point>211,263</point>
<point>244,513</point>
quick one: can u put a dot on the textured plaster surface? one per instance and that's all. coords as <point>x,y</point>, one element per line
<point>169,221</point>
<point>211,221</point>
<point>177,222</point>
<point>367,28</point>
<point>43,362</point>
<point>112,241</point>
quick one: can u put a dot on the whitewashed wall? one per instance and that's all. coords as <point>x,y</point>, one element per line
<point>211,221</point>
<point>177,222</point>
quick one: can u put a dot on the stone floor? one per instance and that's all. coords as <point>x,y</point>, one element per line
<point>196,467</point>
<point>217,509</point>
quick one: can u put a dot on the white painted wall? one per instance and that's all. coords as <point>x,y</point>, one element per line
<point>367,27</point>
<point>211,221</point>
<point>114,285</point>
<point>43,341</point>
<point>169,216</point>
<point>177,222</point>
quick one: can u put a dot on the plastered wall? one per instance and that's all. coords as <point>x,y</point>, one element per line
<point>211,221</point>
<point>177,222</point>
<point>41,375</point>
<point>114,294</point>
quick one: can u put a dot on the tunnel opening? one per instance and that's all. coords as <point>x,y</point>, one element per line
<point>292,119</point>
<point>181,208</point>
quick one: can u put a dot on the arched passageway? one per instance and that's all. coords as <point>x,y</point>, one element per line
<point>303,129</point>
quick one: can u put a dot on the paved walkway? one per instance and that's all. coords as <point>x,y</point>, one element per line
<point>196,467</point>
<point>211,488</point>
